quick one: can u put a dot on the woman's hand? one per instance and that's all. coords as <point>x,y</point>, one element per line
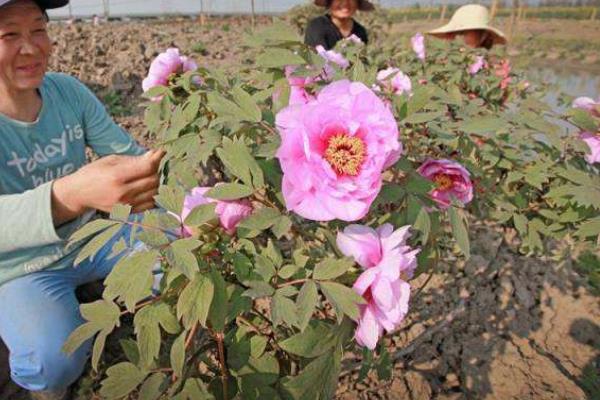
<point>103,183</point>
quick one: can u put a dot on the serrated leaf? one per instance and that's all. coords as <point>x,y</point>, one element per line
<point>261,219</point>
<point>170,198</point>
<point>219,307</point>
<point>194,389</point>
<point>283,310</point>
<point>316,339</point>
<point>282,226</point>
<point>120,212</point>
<point>277,57</point>
<point>258,289</point>
<point>180,255</point>
<point>318,380</point>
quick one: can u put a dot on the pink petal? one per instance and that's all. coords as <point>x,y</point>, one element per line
<point>360,242</point>
<point>368,330</point>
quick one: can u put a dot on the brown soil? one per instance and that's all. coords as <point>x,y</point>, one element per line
<point>500,326</point>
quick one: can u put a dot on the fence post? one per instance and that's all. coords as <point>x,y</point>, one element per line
<point>253,14</point>
<point>594,12</point>
<point>443,13</point>
<point>494,10</point>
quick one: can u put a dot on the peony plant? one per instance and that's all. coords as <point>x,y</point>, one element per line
<point>303,195</point>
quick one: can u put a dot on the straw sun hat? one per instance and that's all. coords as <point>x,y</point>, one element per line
<point>470,17</point>
<point>363,5</point>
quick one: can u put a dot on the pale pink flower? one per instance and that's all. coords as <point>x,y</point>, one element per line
<point>477,65</point>
<point>333,151</point>
<point>164,65</point>
<point>298,93</point>
<point>354,39</point>
<point>333,57</point>
<point>230,213</point>
<point>503,71</point>
<point>418,45</point>
<point>452,181</point>
<point>593,142</point>
<point>394,80</point>
<point>588,104</point>
<point>386,260</point>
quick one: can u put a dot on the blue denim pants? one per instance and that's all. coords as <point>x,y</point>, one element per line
<point>39,311</point>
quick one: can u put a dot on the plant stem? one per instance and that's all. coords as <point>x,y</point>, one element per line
<point>219,338</point>
<point>190,337</point>
<point>143,304</point>
<point>284,284</point>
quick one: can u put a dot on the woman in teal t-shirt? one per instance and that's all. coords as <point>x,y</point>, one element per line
<point>47,192</point>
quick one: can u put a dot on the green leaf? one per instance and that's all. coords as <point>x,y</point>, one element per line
<point>130,281</point>
<point>423,224</point>
<point>258,289</point>
<point>151,389</point>
<point>219,307</point>
<point>589,228</point>
<point>276,58</point>
<point>94,245</point>
<point>316,340</point>
<point>520,222</point>
<point>344,299</point>
<point>122,379</point>
<point>318,380</point>
<point>483,125</point>
<point>459,230</point>
<point>146,327</point>
<point>283,310</point>
<point>583,120</point>
<point>273,254</point>
<point>120,212</point>
<point>237,158</point>
<point>178,355</point>
<point>261,219</point>
<point>201,214</point>
<point>420,98</point>
<point>195,300</point>
<point>306,302</point>
<point>90,229</point>
<point>194,389</point>
<point>171,198</point>
<point>180,255</point>
<point>282,226</point>
<point>331,268</point>
<point>287,271</point>
<point>229,191</point>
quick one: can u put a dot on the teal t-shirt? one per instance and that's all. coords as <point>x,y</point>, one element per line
<point>32,155</point>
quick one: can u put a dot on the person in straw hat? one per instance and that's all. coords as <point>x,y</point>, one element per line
<point>471,22</point>
<point>337,24</point>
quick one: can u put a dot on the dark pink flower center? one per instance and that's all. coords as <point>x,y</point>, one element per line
<point>346,154</point>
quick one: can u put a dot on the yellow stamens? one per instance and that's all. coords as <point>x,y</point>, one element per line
<point>345,154</point>
<point>443,181</point>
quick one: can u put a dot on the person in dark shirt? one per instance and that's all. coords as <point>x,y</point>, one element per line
<point>337,24</point>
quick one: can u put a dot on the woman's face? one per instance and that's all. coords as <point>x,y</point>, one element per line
<point>472,38</point>
<point>24,46</point>
<point>343,9</point>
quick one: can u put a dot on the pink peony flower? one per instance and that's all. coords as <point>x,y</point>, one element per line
<point>418,45</point>
<point>164,65</point>
<point>593,142</point>
<point>452,180</point>
<point>333,151</point>
<point>588,104</point>
<point>394,80</point>
<point>477,65</point>
<point>298,93</point>
<point>230,212</point>
<point>386,259</point>
<point>333,57</point>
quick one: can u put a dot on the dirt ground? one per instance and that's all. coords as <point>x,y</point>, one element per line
<point>500,326</point>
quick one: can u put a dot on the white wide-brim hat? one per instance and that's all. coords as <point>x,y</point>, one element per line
<point>470,17</point>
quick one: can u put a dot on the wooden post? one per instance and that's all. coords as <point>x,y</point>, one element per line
<point>70,11</point>
<point>253,14</point>
<point>106,5</point>
<point>494,10</point>
<point>443,13</point>
<point>594,12</point>
<point>202,14</point>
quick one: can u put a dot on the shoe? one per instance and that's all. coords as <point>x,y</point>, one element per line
<point>50,395</point>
